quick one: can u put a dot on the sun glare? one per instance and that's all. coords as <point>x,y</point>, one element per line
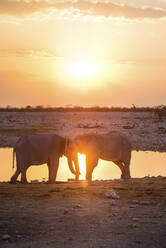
<point>82,162</point>
<point>82,68</point>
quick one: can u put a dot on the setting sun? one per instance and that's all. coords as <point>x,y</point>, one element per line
<point>82,68</point>
<point>82,162</point>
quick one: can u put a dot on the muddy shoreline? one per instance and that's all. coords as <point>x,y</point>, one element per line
<point>146,131</point>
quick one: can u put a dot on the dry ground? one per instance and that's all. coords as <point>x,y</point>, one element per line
<point>80,215</point>
<point>145,130</point>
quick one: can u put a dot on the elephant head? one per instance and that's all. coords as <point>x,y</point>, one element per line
<point>84,144</point>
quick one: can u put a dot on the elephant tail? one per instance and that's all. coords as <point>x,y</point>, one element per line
<point>13,157</point>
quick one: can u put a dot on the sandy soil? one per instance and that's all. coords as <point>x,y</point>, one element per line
<point>80,215</point>
<point>144,129</point>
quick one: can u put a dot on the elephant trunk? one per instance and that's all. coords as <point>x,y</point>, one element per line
<point>71,166</point>
<point>76,164</point>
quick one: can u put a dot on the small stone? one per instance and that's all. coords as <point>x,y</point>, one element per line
<point>114,214</point>
<point>112,202</point>
<point>135,201</point>
<point>52,228</point>
<point>61,220</point>
<point>19,236</point>
<point>34,181</point>
<point>36,223</point>
<point>67,210</point>
<point>111,194</point>
<point>133,225</point>
<point>78,206</point>
<point>138,241</point>
<point>132,206</point>
<point>145,203</point>
<point>52,241</point>
<point>135,219</point>
<point>6,237</point>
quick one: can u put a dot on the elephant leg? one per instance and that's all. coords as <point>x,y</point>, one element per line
<point>121,167</point>
<point>14,177</point>
<point>124,167</point>
<point>17,172</point>
<point>53,165</point>
<point>91,163</point>
<point>126,172</point>
<point>23,168</point>
<point>89,174</point>
<point>23,176</point>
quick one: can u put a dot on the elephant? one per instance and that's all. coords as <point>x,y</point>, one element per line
<point>160,112</point>
<point>113,146</point>
<point>37,149</point>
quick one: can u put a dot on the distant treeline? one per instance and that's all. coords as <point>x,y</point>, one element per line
<point>41,108</point>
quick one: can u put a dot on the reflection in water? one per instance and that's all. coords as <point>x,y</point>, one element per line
<point>82,163</point>
<point>142,164</point>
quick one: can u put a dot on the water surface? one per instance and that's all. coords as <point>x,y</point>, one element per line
<point>142,164</point>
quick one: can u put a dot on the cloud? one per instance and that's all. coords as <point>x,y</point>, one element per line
<point>40,54</point>
<point>37,53</point>
<point>88,7</point>
<point>114,10</point>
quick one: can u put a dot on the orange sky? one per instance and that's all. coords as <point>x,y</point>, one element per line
<point>46,47</point>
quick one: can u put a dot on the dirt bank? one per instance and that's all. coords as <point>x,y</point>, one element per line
<point>144,129</point>
<point>80,215</point>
